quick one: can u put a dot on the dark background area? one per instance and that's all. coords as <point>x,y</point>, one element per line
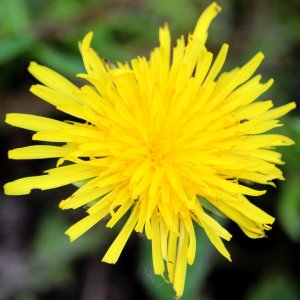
<point>37,261</point>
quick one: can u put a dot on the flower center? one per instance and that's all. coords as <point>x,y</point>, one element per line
<point>160,150</point>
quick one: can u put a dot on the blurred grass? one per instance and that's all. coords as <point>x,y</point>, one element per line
<point>48,32</point>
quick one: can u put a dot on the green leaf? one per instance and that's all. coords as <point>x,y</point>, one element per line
<point>288,207</point>
<point>10,48</point>
<point>291,155</point>
<point>169,11</point>
<point>26,296</point>
<point>52,253</point>
<point>276,287</point>
<point>64,9</point>
<point>15,16</point>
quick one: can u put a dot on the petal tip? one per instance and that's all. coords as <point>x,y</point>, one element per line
<point>62,205</point>
<point>86,41</point>
<point>215,6</point>
<point>32,67</point>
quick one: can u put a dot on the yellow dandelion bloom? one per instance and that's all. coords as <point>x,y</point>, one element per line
<point>157,136</point>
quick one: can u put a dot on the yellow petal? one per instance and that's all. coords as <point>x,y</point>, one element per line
<point>79,199</point>
<point>51,78</point>
<point>157,258</point>
<point>24,186</point>
<point>253,110</point>
<point>172,252</point>
<point>114,251</point>
<point>249,68</point>
<point>93,64</point>
<point>279,111</point>
<point>164,234</point>
<point>56,97</point>
<point>192,240</point>
<point>78,229</point>
<point>217,242</point>
<point>38,152</point>
<point>217,65</point>
<point>34,123</point>
<point>201,29</point>
<point>181,262</point>
<point>120,213</point>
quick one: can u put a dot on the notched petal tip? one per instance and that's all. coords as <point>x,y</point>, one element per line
<point>215,6</point>
<point>72,239</point>
<point>205,20</point>
<point>270,82</point>
<point>34,68</point>
<point>86,41</point>
<point>62,205</point>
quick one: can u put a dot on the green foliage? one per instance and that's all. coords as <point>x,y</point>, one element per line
<point>15,17</point>
<point>52,254</point>
<point>288,207</point>
<point>275,287</point>
<point>13,47</point>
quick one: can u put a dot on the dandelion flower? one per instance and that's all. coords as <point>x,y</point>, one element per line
<point>156,137</point>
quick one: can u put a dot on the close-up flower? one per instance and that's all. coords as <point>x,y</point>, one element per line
<point>158,141</point>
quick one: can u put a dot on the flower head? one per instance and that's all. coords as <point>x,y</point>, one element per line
<point>157,137</point>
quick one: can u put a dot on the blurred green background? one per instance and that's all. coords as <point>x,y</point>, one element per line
<point>36,259</point>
